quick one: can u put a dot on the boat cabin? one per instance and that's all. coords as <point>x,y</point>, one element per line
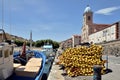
<point>6,60</point>
<point>48,47</point>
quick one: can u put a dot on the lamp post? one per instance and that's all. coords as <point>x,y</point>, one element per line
<point>105,34</point>
<point>107,51</point>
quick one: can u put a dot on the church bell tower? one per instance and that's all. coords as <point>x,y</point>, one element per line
<point>87,24</point>
<point>88,16</point>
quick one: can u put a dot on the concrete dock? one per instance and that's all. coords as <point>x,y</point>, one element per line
<point>55,73</point>
<point>113,65</point>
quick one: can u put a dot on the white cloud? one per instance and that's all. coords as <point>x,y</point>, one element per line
<point>107,11</point>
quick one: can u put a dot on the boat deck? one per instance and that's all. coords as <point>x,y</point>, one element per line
<point>31,69</point>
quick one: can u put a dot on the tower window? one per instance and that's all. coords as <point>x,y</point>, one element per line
<point>88,17</point>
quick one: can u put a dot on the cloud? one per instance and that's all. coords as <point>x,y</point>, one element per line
<point>107,11</point>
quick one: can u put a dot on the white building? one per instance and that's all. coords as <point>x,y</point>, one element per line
<point>76,40</point>
<point>107,34</point>
<point>89,27</point>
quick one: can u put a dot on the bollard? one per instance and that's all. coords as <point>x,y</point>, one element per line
<point>97,72</point>
<point>107,61</point>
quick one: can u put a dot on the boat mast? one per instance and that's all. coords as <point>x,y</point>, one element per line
<point>10,33</point>
<point>30,40</point>
<point>2,13</point>
<point>2,18</point>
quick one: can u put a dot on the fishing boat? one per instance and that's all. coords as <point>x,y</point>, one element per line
<point>16,66</point>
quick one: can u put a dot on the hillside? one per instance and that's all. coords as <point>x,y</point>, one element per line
<point>12,37</point>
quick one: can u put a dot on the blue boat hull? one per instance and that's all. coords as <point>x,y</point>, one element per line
<point>37,54</point>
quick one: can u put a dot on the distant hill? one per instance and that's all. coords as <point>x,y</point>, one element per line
<point>12,37</point>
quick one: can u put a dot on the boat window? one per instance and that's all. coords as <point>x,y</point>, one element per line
<point>0,53</point>
<point>6,53</point>
<point>11,51</point>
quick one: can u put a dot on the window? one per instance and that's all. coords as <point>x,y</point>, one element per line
<point>11,51</point>
<point>88,17</point>
<point>104,33</point>
<point>0,53</point>
<point>112,33</point>
<point>6,53</point>
<point>98,39</point>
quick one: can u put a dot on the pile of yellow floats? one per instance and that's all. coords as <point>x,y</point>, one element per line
<point>80,60</point>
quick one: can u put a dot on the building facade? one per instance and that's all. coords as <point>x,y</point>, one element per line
<point>71,42</point>
<point>108,34</point>
<point>76,40</point>
<point>88,26</point>
<point>66,44</point>
<point>92,32</point>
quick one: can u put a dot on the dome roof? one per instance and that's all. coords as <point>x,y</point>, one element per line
<point>87,9</point>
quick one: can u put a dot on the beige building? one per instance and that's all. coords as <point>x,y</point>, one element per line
<point>88,26</point>
<point>76,40</point>
<point>71,42</point>
<point>66,44</point>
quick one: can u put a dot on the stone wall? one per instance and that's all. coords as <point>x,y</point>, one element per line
<point>111,47</point>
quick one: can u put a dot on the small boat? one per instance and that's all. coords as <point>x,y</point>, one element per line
<point>17,66</point>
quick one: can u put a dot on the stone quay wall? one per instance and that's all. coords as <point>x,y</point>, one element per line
<point>111,47</point>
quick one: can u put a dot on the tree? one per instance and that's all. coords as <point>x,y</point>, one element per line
<point>18,42</point>
<point>39,43</point>
<point>55,45</point>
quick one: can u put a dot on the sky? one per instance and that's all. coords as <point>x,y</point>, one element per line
<point>54,19</point>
